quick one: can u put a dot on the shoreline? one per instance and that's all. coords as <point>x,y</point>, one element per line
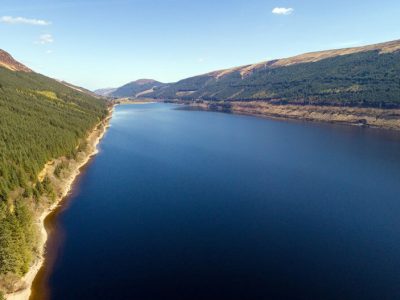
<point>127,101</point>
<point>66,185</point>
<point>374,118</point>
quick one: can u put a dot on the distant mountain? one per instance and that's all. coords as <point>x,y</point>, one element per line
<point>133,89</point>
<point>8,62</point>
<point>80,89</point>
<point>363,76</point>
<point>104,92</point>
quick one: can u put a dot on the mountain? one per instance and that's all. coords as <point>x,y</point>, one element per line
<point>135,89</point>
<point>104,92</point>
<point>362,76</point>
<point>41,119</point>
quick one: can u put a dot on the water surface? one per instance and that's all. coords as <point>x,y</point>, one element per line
<point>201,205</point>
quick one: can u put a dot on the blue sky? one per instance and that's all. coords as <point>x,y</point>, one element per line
<point>108,43</point>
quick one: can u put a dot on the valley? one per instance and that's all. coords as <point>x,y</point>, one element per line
<point>50,129</point>
<point>354,86</point>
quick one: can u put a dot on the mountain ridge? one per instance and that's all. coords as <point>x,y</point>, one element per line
<point>314,56</point>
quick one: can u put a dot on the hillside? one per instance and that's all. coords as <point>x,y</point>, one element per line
<point>8,62</point>
<point>364,76</point>
<point>80,89</point>
<point>133,89</point>
<point>41,119</point>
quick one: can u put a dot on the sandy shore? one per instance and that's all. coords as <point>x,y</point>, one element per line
<point>64,187</point>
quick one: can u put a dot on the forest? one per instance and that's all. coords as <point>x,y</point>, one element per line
<point>364,79</point>
<point>40,119</point>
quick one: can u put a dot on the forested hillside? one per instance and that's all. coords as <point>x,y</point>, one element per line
<point>367,77</point>
<point>40,119</point>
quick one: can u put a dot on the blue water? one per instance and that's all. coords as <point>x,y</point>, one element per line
<point>200,205</point>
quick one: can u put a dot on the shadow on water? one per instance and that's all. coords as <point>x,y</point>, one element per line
<point>55,240</point>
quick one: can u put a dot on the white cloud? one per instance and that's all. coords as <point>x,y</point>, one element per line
<point>200,60</point>
<point>49,51</point>
<point>45,39</point>
<point>283,11</point>
<point>21,20</point>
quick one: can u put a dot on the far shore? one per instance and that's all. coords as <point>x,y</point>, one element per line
<point>127,101</point>
<point>387,119</point>
<point>64,187</point>
<point>369,117</point>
